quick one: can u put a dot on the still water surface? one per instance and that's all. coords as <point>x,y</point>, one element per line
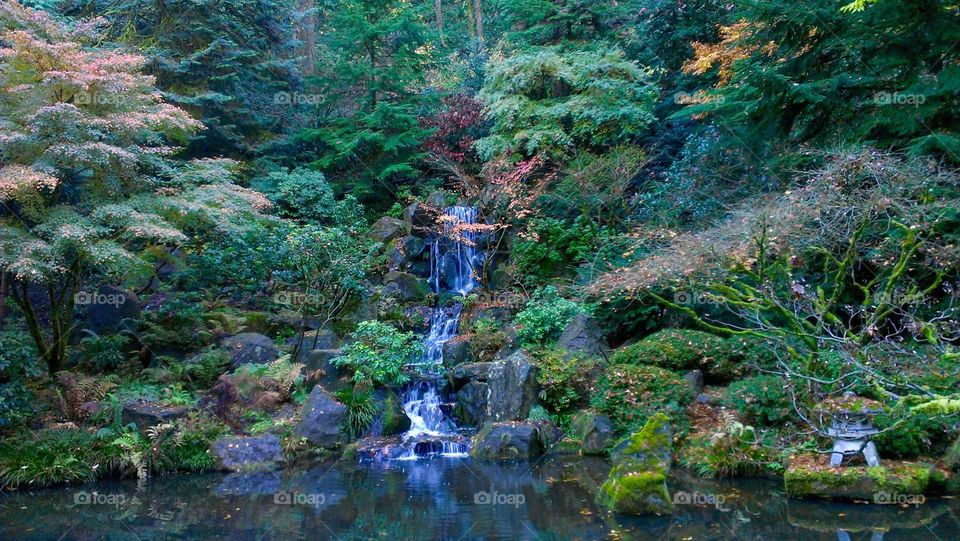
<point>445,499</point>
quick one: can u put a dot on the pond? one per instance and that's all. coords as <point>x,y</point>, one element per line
<point>445,499</point>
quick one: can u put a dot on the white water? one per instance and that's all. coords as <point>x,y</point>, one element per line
<point>455,252</point>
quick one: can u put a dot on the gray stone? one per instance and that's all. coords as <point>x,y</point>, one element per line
<point>593,431</point>
<point>386,229</point>
<point>148,414</point>
<point>456,351</point>
<point>510,441</point>
<point>246,453</point>
<point>320,419</point>
<point>109,309</point>
<point>250,348</point>
<point>583,336</point>
<point>503,390</point>
<point>405,287</point>
<point>694,379</point>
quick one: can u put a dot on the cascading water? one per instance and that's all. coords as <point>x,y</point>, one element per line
<point>454,259</point>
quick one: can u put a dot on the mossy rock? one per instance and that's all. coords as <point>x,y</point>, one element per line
<point>631,394</point>
<point>394,420</point>
<point>637,483</point>
<point>811,477</point>
<point>684,349</point>
<point>592,431</point>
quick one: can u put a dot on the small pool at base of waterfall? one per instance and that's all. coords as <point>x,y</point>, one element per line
<point>438,499</point>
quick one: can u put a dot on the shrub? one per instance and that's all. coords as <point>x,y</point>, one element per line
<point>306,195</point>
<point>919,434</point>
<point>377,353</point>
<point>544,317</point>
<point>47,458</point>
<point>361,408</point>
<point>17,365</point>
<point>752,352</point>
<point>761,399</point>
<point>564,382</point>
<point>631,394</point>
<point>486,339</point>
<point>682,349</point>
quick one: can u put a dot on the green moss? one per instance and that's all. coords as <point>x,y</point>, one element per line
<point>631,394</point>
<point>763,400</point>
<point>683,349</point>
<point>637,482</point>
<point>852,482</point>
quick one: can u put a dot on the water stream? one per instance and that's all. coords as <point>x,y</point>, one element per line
<point>454,258</point>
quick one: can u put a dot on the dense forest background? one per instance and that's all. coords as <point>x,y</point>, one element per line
<point>776,180</point>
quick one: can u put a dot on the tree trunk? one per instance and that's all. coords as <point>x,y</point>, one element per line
<point>308,35</point>
<point>3,298</point>
<point>478,14</point>
<point>438,7</point>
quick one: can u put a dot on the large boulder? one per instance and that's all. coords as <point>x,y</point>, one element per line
<point>386,229</point>
<point>247,453</point>
<point>457,351</point>
<point>592,431</point>
<point>321,339</point>
<point>403,252</point>
<point>109,308</point>
<point>637,483</point>
<point>391,419</point>
<point>146,414</point>
<point>320,419</point>
<point>250,348</point>
<point>512,440</point>
<point>503,390</point>
<point>583,336</point>
<point>405,287</point>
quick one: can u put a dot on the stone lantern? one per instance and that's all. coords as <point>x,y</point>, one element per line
<point>852,429</point>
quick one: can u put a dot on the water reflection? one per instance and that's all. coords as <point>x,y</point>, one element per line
<point>445,499</point>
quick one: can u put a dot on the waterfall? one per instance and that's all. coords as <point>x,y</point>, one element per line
<point>454,259</point>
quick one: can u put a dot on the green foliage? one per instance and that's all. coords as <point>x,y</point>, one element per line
<point>883,83</point>
<point>564,379</point>
<point>230,61</point>
<point>728,453</point>
<point>361,406</point>
<point>550,247</point>
<point>18,364</point>
<point>105,352</point>
<point>544,317</point>
<point>377,61</point>
<point>553,101</point>
<point>765,400</point>
<point>908,434</point>
<point>683,349</point>
<point>631,394</point>
<point>47,458</point>
<point>486,338</point>
<point>377,353</point>
<point>306,196</point>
